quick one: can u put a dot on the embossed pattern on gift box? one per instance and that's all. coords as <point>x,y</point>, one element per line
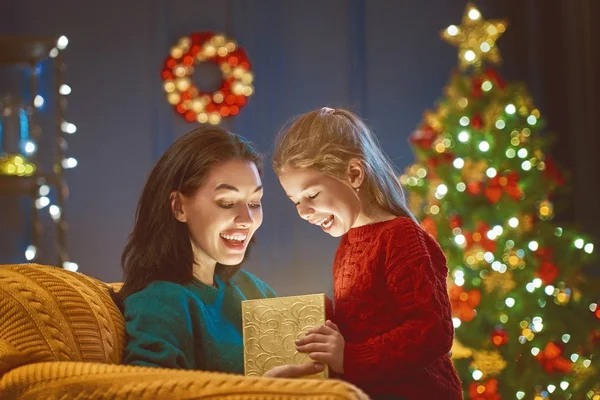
<point>271,327</point>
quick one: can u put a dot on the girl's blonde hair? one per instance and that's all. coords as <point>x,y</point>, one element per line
<point>326,140</point>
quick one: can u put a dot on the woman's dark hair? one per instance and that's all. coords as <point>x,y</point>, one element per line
<point>159,247</point>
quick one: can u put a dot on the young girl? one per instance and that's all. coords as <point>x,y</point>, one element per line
<point>393,328</point>
<point>183,284</point>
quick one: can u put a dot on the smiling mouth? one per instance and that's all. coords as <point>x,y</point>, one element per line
<point>235,241</point>
<point>325,223</point>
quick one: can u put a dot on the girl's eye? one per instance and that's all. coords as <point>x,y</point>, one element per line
<point>255,205</point>
<point>225,205</point>
<point>314,196</point>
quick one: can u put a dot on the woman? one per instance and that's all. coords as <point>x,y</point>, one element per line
<point>183,285</point>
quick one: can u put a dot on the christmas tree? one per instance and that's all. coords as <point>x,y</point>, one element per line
<point>527,320</point>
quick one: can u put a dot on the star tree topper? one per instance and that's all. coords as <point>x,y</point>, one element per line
<point>475,38</point>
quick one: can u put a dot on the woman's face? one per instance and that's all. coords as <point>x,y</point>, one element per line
<point>223,214</point>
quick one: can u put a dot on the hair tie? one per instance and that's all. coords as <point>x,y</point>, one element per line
<point>327,110</point>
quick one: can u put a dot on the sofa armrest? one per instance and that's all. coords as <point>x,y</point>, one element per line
<point>62,379</point>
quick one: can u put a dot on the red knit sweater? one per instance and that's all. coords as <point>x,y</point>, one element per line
<point>392,308</point>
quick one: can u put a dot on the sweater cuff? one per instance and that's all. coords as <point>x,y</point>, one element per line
<point>357,359</point>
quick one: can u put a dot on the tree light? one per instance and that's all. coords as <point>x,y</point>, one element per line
<point>64,89</point>
<point>458,163</point>
<point>474,14</point>
<point>460,239</point>
<point>70,266</point>
<point>452,30</point>
<point>38,101</point>
<point>530,287</point>
<point>44,190</point>
<point>30,252</point>
<point>522,153</point>
<point>62,42</point>
<point>463,136</point>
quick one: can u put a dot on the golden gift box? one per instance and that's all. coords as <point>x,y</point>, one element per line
<point>271,327</point>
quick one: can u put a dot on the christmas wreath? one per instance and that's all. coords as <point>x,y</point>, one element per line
<point>194,104</point>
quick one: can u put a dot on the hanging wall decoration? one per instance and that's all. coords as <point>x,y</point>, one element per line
<point>194,104</point>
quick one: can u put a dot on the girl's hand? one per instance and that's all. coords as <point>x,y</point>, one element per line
<point>325,344</point>
<point>294,371</point>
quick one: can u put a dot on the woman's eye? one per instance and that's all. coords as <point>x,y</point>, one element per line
<point>255,205</point>
<point>225,205</point>
<point>313,196</point>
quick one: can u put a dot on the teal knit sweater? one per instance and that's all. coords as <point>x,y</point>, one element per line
<point>195,326</point>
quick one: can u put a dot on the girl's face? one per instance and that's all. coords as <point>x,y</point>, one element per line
<point>322,200</point>
<point>224,212</point>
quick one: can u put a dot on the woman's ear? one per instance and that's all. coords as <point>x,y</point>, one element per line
<point>177,209</point>
<point>356,173</point>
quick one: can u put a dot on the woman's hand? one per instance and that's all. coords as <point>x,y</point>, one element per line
<point>325,344</point>
<point>294,371</point>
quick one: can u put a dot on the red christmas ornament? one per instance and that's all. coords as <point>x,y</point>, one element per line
<point>428,224</point>
<point>477,121</point>
<point>476,87</point>
<point>493,75</point>
<point>552,171</point>
<point>455,221</point>
<point>547,271</point>
<point>441,159</point>
<point>552,361</point>
<point>474,188</point>
<point>487,390</point>
<point>508,184</point>
<point>423,138</point>
<point>464,303</point>
<point>596,337</point>
<point>499,337</point>
<point>480,237</point>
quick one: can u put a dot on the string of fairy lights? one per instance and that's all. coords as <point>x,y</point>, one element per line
<point>19,165</point>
